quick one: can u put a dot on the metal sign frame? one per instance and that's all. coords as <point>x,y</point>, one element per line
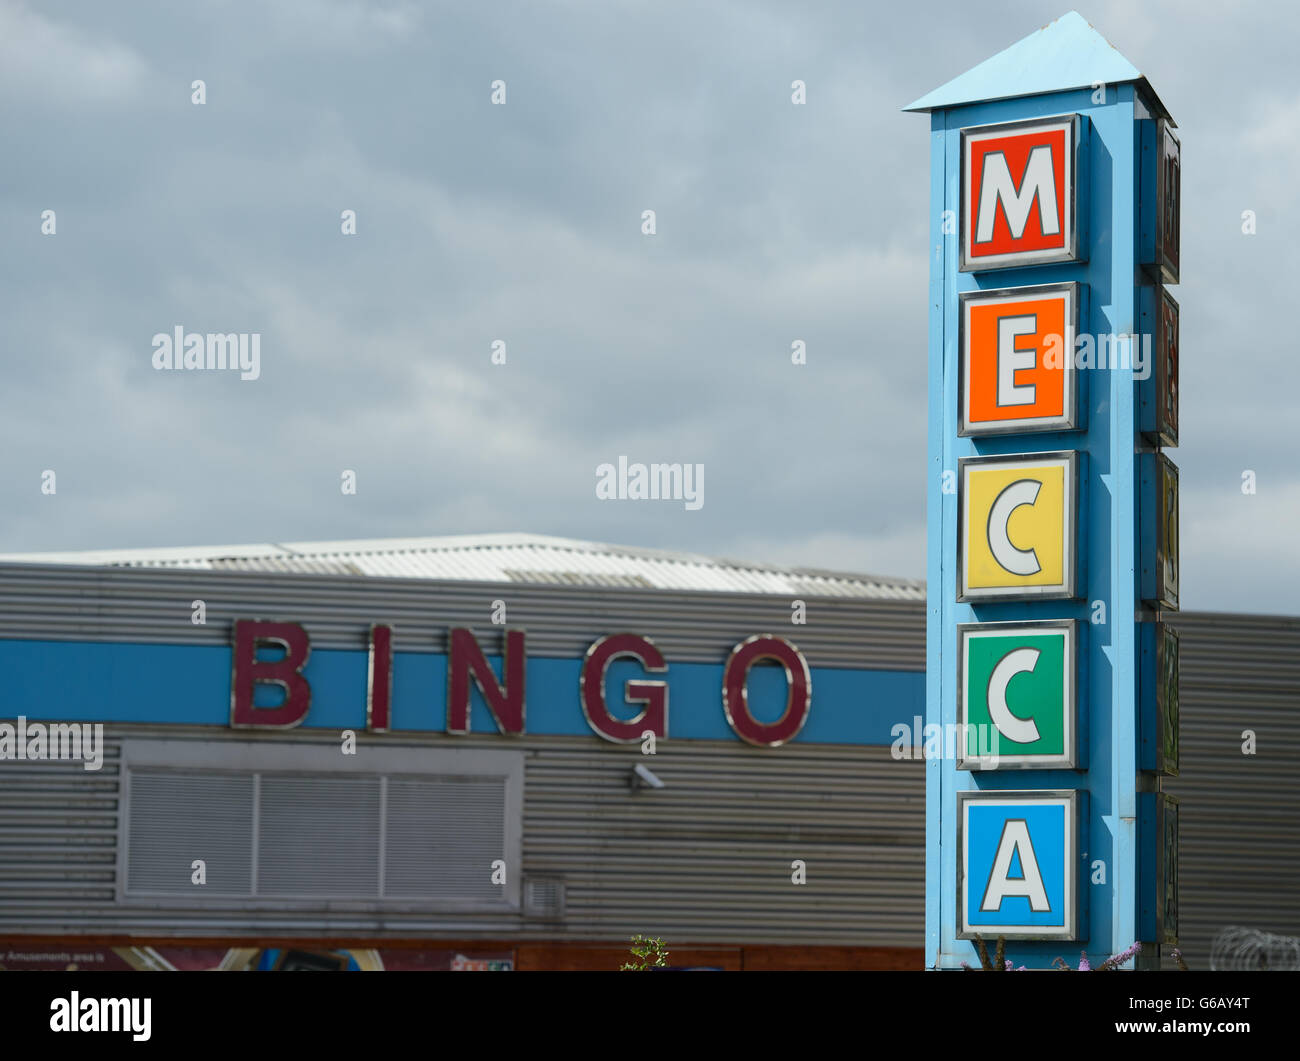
<point>1069,759</point>
<point>1074,412</point>
<point>1160,553</point>
<point>1074,846</point>
<point>1158,393</point>
<point>1075,248</point>
<point>1067,588</point>
<point>1159,695</point>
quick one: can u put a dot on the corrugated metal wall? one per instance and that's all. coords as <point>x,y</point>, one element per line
<point>707,858</point>
<point>1239,823</point>
<point>115,604</point>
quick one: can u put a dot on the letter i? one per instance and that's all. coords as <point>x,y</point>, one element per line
<point>379,687</point>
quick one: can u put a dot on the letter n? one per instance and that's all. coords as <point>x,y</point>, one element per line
<point>465,659</point>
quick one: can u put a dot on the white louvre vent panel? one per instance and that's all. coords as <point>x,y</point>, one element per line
<point>319,837</point>
<point>443,836</point>
<point>287,834</point>
<point>176,818</point>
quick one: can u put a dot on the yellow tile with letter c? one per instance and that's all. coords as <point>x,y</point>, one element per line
<point>1017,526</point>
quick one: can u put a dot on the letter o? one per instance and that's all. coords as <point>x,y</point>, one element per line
<point>735,695</point>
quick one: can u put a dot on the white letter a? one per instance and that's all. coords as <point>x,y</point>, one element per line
<point>1015,840</point>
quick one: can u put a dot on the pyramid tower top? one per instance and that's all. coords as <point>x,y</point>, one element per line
<point>1063,55</point>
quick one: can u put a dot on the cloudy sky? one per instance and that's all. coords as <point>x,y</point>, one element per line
<point>522,223</point>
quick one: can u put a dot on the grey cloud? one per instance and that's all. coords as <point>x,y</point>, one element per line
<point>522,223</point>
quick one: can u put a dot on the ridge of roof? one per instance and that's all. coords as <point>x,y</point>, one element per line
<point>507,557</point>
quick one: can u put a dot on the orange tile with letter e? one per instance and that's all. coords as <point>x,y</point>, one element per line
<point>1017,360</point>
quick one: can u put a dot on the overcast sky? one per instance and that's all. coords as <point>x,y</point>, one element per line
<point>522,223</point>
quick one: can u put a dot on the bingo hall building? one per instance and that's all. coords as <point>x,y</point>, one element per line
<point>424,753</point>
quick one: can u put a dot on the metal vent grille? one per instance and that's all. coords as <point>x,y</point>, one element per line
<point>305,564</point>
<point>544,898</point>
<point>319,836</point>
<point>176,818</point>
<point>359,837</point>
<point>579,578</point>
<point>443,836</point>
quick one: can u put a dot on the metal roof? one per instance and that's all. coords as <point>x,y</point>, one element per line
<point>1065,54</point>
<point>520,558</point>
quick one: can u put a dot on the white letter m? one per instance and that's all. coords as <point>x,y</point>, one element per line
<point>996,185</point>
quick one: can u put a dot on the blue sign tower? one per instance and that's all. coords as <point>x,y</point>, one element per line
<point>1052,683</point>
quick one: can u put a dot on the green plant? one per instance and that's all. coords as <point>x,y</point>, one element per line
<point>648,953</point>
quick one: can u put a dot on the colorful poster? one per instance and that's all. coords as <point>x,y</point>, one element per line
<point>162,957</point>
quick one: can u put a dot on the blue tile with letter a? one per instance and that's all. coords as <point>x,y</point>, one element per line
<point>1018,863</point>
